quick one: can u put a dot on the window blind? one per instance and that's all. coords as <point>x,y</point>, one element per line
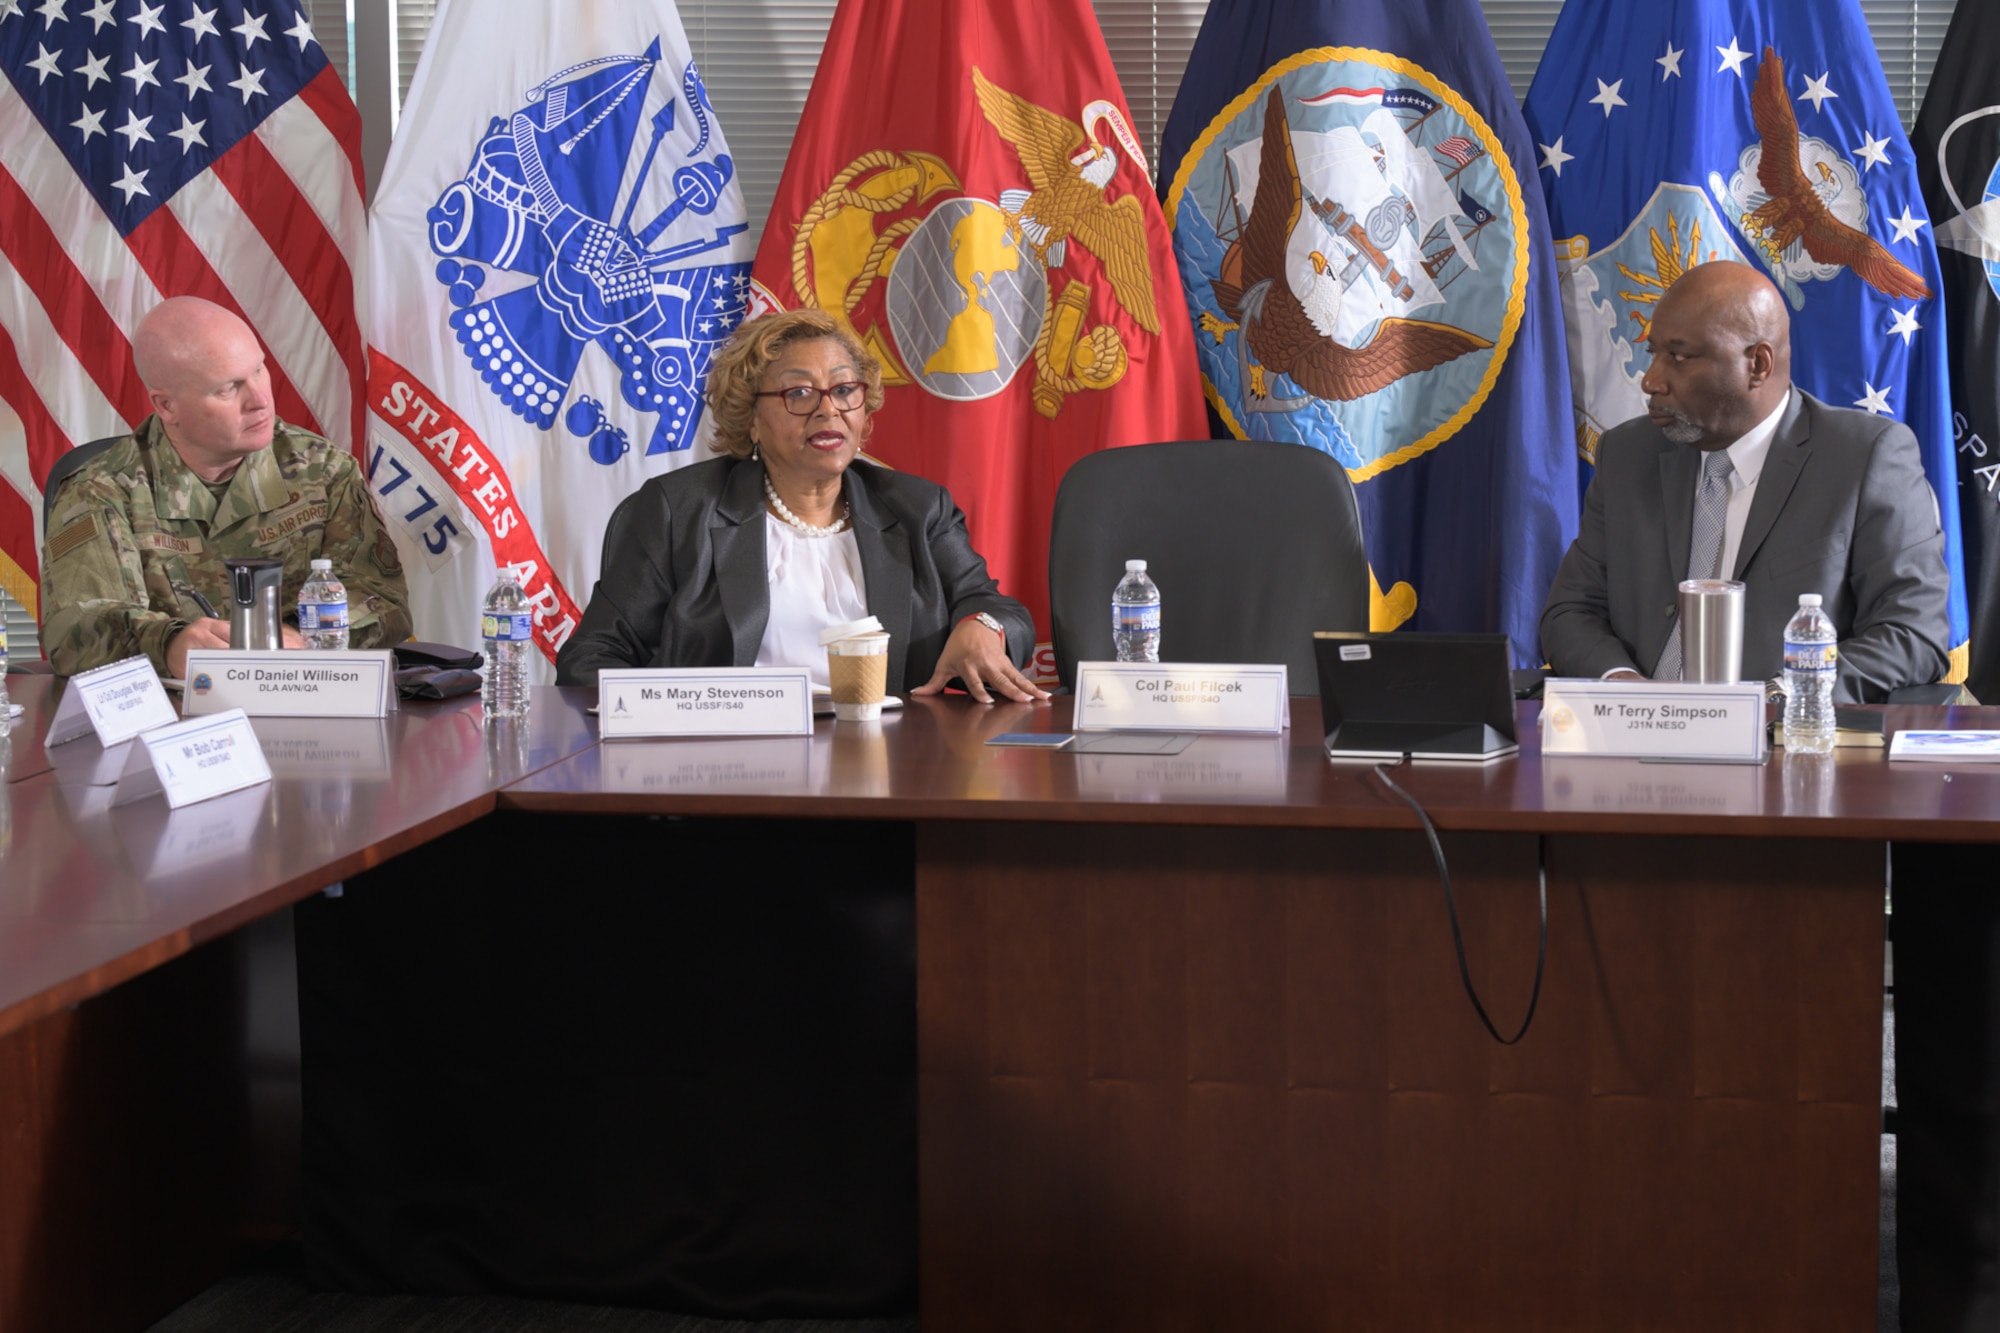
<point>333,25</point>
<point>411,22</point>
<point>1149,41</point>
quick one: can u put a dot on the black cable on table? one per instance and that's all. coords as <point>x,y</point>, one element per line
<point>1451,906</point>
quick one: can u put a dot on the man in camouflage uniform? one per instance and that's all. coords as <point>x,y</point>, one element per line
<point>211,475</point>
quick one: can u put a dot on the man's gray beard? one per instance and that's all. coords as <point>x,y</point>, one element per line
<point>1682,431</point>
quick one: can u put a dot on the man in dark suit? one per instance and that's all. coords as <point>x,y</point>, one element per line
<point>1736,474</point>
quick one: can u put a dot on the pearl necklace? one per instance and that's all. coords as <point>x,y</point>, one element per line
<point>797,524</point>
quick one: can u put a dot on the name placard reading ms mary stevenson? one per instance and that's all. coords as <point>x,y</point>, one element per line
<point>740,701</point>
<point>290,683</point>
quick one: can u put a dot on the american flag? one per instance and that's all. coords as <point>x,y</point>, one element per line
<point>155,150</point>
<point>1458,148</point>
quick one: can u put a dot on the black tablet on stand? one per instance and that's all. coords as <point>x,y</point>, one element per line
<point>1428,696</point>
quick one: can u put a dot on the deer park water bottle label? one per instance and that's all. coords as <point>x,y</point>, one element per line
<point>515,626</point>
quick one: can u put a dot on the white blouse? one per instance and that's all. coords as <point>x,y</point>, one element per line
<point>815,582</point>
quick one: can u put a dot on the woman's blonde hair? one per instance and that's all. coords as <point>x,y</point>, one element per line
<point>738,370</point>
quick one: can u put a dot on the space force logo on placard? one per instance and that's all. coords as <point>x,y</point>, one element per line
<point>1354,241</point>
<point>540,199</point>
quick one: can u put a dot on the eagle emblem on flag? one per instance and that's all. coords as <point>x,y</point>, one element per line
<point>957,293</point>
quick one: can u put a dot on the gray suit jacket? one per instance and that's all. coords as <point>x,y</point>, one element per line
<point>1842,509</point>
<point>684,584</point>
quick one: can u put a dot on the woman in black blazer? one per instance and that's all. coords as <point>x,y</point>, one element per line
<point>686,579</point>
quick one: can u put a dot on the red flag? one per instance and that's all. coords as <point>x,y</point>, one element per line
<point>966,191</point>
<point>145,154</point>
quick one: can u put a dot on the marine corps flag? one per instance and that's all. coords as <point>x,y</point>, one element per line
<point>1957,143</point>
<point>1672,133</point>
<point>557,249</point>
<point>1369,269</point>
<point>967,194</point>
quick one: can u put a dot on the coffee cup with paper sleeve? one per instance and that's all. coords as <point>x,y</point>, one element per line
<point>857,662</point>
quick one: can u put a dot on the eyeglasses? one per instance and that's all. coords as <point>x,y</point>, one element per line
<point>802,400</point>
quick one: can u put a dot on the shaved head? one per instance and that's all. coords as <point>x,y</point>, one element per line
<point>1722,355</point>
<point>204,371</point>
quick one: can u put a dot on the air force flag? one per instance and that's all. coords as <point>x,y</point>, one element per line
<point>1368,265</point>
<point>1678,132</point>
<point>558,248</point>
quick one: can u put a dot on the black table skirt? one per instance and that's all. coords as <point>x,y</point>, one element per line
<point>632,1061</point>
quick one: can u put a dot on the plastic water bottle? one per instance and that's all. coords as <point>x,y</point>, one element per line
<point>1135,615</point>
<point>3,675</point>
<point>323,608</point>
<point>1812,660</point>
<point>506,627</point>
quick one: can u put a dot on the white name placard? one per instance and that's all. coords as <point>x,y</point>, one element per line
<point>735,701</point>
<point>117,701</point>
<point>1181,696</point>
<point>1639,719</point>
<point>290,683</point>
<point>194,760</point>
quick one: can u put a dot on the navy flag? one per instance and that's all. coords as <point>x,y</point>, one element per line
<point>1957,142</point>
<point>1369,269</point>
<point>1677,132</point>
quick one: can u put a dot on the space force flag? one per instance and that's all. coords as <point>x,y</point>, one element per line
<point>1368,265</point>
<point>557,249</point>
<point>1677,132</point>
<point>1957,142</point>
<point>967,195</point>
<point>157,150</point>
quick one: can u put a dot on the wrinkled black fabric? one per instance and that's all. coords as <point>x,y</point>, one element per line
<point>626,1061</point>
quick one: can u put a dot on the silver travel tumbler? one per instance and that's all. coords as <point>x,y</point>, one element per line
<point>1711,631</point>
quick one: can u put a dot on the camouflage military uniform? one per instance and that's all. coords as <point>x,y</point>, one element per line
<point>134,530</point>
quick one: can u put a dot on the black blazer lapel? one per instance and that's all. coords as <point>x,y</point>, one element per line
<point>1679,466</point>
<point>1783,462</point>
<point>885,567</point>
<point>736,536</point>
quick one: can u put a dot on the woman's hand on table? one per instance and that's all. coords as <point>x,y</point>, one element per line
<point>978,657</point>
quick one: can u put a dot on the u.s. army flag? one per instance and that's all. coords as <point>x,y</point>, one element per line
<point>557,249</point>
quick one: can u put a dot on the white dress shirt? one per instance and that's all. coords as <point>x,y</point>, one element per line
<point>1746,456</point>
<point>814,582</point>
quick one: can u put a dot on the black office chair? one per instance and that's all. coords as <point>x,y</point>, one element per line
<point>1254,545</point>
<point>60,473</point>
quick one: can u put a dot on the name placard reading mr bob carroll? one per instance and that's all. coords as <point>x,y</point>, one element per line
<point>290,683</point>
<point>1181,696</point>
<point>1638,719</point>
<point>739,701</point>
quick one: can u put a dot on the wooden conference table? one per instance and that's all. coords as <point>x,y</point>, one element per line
<point>1192,1049</point>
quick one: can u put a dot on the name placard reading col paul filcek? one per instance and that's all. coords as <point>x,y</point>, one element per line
<point>1640,719</point>
<point>1181,696</point>
<point>290,683</point>
<point>738,701</point>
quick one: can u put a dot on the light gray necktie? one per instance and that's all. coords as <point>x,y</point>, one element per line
<point>1711,511</point>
